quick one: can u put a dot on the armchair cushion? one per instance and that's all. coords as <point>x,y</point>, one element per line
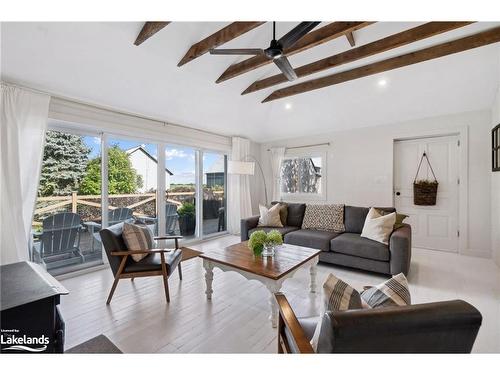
<point>137,238</point>
<point>152,262</point>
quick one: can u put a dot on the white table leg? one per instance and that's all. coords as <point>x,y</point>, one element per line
<point>273,287</point>
<point>209,277</point>
<point>312,273</point>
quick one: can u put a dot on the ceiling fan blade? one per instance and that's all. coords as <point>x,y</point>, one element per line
<point>285,67</point>
<point>292,37</point>
<point>237,51</point>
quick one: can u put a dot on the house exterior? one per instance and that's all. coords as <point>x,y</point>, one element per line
<point>145,165</point>
<point>215,175</point>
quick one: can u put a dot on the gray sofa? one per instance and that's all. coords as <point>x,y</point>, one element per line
<point>347,248</point>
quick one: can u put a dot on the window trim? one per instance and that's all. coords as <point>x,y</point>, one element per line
<point>304,197</point>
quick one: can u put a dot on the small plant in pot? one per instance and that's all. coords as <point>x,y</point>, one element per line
<point>187,219</point>
<point>262,243</point>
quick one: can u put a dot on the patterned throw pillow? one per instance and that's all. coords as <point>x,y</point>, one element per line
<point>270,217</point>
<point>329,217</point>
<point>393,292</point>
<point>337,296</point>
<point>137,237</point>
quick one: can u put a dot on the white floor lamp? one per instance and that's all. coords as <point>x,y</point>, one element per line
<point>246,167</point>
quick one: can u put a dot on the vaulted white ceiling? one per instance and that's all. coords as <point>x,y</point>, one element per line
<point>98,63</point>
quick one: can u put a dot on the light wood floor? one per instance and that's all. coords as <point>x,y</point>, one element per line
<point>236,320</point>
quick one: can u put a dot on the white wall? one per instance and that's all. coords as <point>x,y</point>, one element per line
<point>360,166</point>
<point>495,191</point>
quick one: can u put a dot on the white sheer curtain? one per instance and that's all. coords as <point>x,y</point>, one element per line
<point>24,121</point>
<point>239,200</point>
<point>277,155</point>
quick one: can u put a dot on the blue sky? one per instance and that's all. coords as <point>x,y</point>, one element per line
<point>179,160</point>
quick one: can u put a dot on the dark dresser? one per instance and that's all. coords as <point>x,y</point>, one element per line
<point>30,321</point>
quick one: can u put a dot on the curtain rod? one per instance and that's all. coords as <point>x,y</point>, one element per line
<point>315,145</point>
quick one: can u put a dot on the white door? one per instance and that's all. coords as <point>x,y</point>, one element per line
<point>433,227</point>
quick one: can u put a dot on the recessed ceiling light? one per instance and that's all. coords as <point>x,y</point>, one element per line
<point>288,105</point>
<point>382,82</point>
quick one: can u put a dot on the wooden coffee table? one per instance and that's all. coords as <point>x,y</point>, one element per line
<point>270,271</point>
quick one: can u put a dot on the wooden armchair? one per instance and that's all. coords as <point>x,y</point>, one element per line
<point>158,262</point>
<point>291,335</point>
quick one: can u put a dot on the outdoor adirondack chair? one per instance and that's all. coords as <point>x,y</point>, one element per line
<point>115,216</point>
<point>60,240</point>
<point>171,219</point>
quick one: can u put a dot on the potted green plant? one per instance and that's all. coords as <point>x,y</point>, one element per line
<point>187,219</point>
<point>262,243</point>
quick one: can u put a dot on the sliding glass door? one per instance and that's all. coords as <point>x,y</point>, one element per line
<point>181,188</point>
<point>76,182</point>
<point>132,182</point>
<point>214,192</point>
<point>69,200</point>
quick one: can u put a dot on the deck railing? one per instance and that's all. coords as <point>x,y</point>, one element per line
<point>74,200</point>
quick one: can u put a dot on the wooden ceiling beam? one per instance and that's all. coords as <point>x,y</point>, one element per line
<point>218,38</point>
<point>444,49</point>
<point>148,30</point>
<point>382,45</point>
<point>350,39</point>
<point>310,40</point>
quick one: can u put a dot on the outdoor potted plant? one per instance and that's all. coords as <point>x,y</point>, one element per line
<point>187,219</point>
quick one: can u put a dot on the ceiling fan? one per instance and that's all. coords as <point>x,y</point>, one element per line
<point>275,50</point>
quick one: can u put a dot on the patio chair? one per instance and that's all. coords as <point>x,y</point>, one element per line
<point>115,216</point>
<point>171,218</point>
<point>119,215</point>
<point>60,240</point>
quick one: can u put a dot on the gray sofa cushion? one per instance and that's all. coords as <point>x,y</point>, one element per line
<point>354,244</point>
<point>282,230</point>
<point>355,262</point>
<point>295,213</point>
<point>354,217</point>
<point>316,239</point>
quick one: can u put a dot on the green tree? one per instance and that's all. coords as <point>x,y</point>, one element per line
<point>122,178</point>
<point>65,159</point>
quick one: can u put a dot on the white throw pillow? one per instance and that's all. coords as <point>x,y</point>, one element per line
<point>270,217</point>
<point>378,227</point>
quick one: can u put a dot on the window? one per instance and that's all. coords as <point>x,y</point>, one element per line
<point>181,191</point>
<point>75,182</point>
<point>214,192</point>
<point>132,182</point>
<point>302,175</point>
<point>69,200</point>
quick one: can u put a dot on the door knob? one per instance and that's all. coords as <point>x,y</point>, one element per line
<point>398,193</point>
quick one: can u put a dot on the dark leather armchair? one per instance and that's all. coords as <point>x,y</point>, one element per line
<point>438,327</point>
<point>158,262</point>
